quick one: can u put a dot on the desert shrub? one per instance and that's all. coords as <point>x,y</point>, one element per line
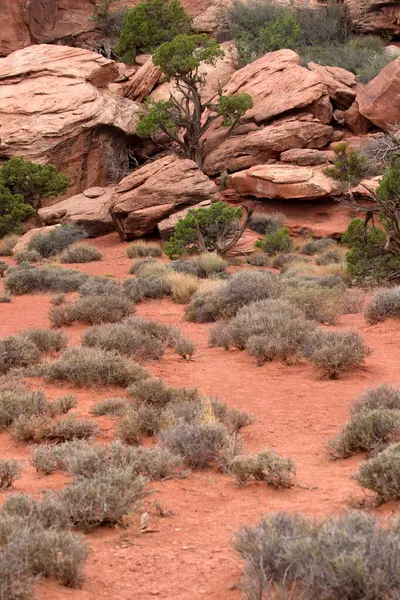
<point>207,264</point>
<point>57,299</point>
<point>30,256</point>
<point>110,406</point>
<point>266,466</point>
<point>381,474</point>
<point>347,556</point>
<point>103,499</point>
<point>16,402</point>
<point>48,458</point>
<point>382,396</point>
<point>335,352</point>
<point>98,286</point>
<point>316,302</point>
<point>141,249</point>
<point>55,241</point>
<point>3,268</point>
<point>128,429</point>
<point>276,242</point>
<point>183,287</point>
<point>139,264</point>
<point>155,391</point>
<point>329,257</point>
<point>150,24</point>
<point>93,366</point>
<point>157,463</point>
<point>384,304</point>
<point>199,445</point>
<point>64,404</point>
<point>185,348</point>
<point>155,268</point>
<point>352,301</point>
<point>78,253</point>
<point>313,247</point>
<point>49,512</point>
<point>29,429</point>
<point>282,261</point>
<point>17,351</point>
<point>5,298</point>
<point>46,340</point>
<point>232,418</point>
<point>106,308</point>
<point>13,211</point>
<point>153,329</point>
<point>147,286</point>
<point>7,244</point>
<point>10,470</point>
<point>186,266</point>
<point>367,431</point>
<point>256,259</point>
<point>41,429</point>
<point>268,223</point>
<point>27,280</point>
<point>224,302</point>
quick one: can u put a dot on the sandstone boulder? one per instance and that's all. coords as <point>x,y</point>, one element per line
<point>143,81</point>
<point>252,145</point>
<point>379,100</point>
<point>13,32</point>
<point>283,182</point>
<point>342,85</point>
<point>166,226</point>
<point>304,157</point>
<point>155,191</point>
<point>355,121</point>
<point>55,107</point>
<point>26,238</point>
<point>91,210</point>
<point>374,16</point>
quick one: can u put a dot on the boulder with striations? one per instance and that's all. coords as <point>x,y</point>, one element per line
<point>374,16</point>
<point>155,191</point>
<point>55,108</point>
<point>379,100</point>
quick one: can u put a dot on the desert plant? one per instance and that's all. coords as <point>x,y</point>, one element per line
<point>55,241</point>
<point>139,264</point>
<point>10,470</point>
<point>381,474</point>
<point>155,391</point>
<point>98,286</point>
<point>207,264</point>
<point>335,352</point>
<point>7,244</point>
<point>109,22</point>
<point>232,418</point>
<point>57,299</point>
<point>149,24</point>
<point>199,445</point>
<point>5,298</point>
<point>13,211</point>
<point>329,257</point>
<point>93,366</point>
<point>27,280</point>
<point>31,256</point>
<point>16,402</point>
<point>383,396</point>
<point>276,242</point>
<point>184,347</point>
<point>3,268</point>
<point>266,466</point>
<point>349,556</point>
<point>183,287</point>
<point>266,223</point>
<point>147,286</point>
<point>384,304</point>
<point>64,404</point>
<point>186,120</point>
<point>17,351</point>
<point>367,431</point>
<point>78,253</point>
<point>316,246</point>
<point>106,308</point>
<point>323,304</point>
<point>141,249</point>
<point>128,429</point>
<point>46,340</point>
<point>110,406</point>
<point>287,259</point>
<point>41,429</point>
<point>256,259</point>
<point>352,301</point>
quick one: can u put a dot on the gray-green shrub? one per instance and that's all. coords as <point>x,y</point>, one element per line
<point>27,279</point>
<point>141,249</point>
<point>17,351</point>
<point>10,470</point>
<point>266,466</point>
<point>79,253</point>
<point>275,242</point>
<point>382,396</point>
<point>52,243</point>
<point>381,474</point>
<point>383,304</point>
<point>105,308</point>
<point>46,340</point>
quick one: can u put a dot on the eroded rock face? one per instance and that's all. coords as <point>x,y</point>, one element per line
<point>374,16</point>
<point>379,100</point>
<point>91,210</point>
<point>55,108</point>
<point>143,81</point>
<point>283,182</point>
<point>259,144</point>
<point>304,157</point>
<point>155,191</point>
<point>342,85</point>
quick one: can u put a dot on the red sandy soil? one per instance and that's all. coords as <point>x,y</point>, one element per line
<point>189,555</point>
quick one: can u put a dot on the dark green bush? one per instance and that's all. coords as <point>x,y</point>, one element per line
<point>350,556</point>
<point>93,366</point>
<point>29,279</point>
<point>266,466</point>
<point>276,242</point>
<point>149,24</point>
<point>78,253</point>
<point>55,241</point>
<point>13,211</point>
<point>92,309</point>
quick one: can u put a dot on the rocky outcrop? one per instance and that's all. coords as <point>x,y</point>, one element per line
<point>374,16</point>
<point>379,100</point>
<point>155,191</point>
<point>90,210</point>
<point>341,84</point>
<point>259,144</point>
<point>304,157</point>
<point>283,182</point>
<point>166,226</point>
<point>143,81</point>
<point>55,108</point>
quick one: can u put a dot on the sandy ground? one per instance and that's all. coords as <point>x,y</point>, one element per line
<point>189,555</point>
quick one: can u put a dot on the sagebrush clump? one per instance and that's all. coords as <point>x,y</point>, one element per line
<point>266,466</point>
<point>105,308</point>
<point>384,304</point>
<point>28,279</point>
<point>52,243</point>
<point>78,253</point>
<point>381,474</point>
<point>142,249</point>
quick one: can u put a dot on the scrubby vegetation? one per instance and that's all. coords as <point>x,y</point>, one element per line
<point>78,253</point>
<point>266,223</point>
<point>383,305</point>
<point>266,466</point>
<point>381,474</point>
<point>142,249</point>
<point>55,241</point>
<point>10,470</point>
<point>350,556</point>
<point>28,279</point>
<point>105,308</point>
<point>276,242</point>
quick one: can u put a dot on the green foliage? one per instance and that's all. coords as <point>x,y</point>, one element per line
<point>32,181</point>
<point>232,108</point>
<point>183,55</point>
<point>150,24</point>
<point>219,217</point>
<point>349,166</point>
<point>381,474</point>
<point>13,211</point>
<point>276,242</point>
